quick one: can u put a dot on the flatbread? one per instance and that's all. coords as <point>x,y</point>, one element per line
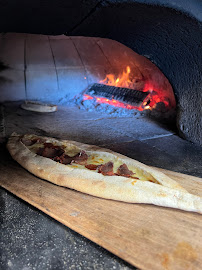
<point>151,187</point>
<point>38,107</point>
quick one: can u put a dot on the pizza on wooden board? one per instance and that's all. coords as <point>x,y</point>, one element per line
<point>99,172</point>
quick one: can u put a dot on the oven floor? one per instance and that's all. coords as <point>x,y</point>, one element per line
<point>61,248</point>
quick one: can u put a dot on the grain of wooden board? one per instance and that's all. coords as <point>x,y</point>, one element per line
<point>146,236</point>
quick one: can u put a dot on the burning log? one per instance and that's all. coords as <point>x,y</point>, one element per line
<point>132,97</point>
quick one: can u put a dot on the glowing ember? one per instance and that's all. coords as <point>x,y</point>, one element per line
<point>112,102</point>
<point>87,97</point>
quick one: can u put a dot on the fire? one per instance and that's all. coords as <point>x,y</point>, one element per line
<point>123,80</point>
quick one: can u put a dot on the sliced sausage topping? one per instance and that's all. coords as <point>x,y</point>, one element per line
<point>50,151</point>
<point>80,158</point>
<point>106,169</point>
<point>124,171</point>
<point>64,159</point>
<point>92,167</point>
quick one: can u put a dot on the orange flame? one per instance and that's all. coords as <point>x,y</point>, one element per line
<point>123,80</point>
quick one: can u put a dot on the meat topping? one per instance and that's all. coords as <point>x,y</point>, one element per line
<point>106,169</point>
<point>92,167</point>
<point>50,145</point>
<point>57,153</point>
<point>64,159</point>
<point>80,158</point>
<point>124,171</point>
<point>50,151</point>
<point>28,142</point>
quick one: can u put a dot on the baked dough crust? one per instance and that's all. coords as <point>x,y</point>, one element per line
<point>167,192</point>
